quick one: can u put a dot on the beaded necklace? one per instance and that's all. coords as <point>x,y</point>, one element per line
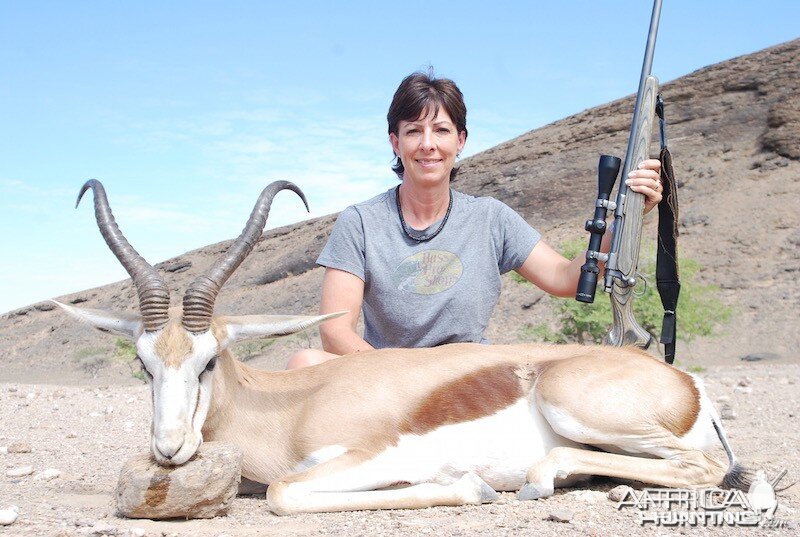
<point>403,221</point>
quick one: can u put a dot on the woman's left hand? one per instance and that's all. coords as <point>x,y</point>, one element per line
<point>646,180</point>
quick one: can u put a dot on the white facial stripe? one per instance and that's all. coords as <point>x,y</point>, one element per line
<point>181,396</point>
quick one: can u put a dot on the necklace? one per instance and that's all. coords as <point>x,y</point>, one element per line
<point>403,221</point>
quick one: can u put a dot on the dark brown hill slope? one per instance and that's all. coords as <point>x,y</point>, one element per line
<point>734,129</point>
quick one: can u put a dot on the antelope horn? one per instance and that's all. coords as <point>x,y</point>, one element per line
<point>150,286</point>
<point>198,302</point>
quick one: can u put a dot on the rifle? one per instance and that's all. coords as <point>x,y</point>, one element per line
<point>622,260</point>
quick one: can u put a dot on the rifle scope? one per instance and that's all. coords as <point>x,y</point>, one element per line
<point>607,171</point>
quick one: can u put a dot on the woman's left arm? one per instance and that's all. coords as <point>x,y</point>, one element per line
<point>557,275</point>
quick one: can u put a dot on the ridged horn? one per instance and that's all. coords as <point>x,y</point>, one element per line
<point>150,286</point>
<point>198,302</point>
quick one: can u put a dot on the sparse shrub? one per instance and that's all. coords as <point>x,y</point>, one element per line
<point>541,332</point>
<point>125,350</point>
<point>699,310</point>
<point>91,360</point>
<point>248,350</point>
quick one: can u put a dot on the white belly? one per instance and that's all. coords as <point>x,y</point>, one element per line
<point>499,448</point>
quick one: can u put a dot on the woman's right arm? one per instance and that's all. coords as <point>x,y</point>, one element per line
<point>342,291</point>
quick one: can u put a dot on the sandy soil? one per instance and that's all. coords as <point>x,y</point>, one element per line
<point>86,432</point>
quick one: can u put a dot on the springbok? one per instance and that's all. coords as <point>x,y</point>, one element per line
<point>404,428</point>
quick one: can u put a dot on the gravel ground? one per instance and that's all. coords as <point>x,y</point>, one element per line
<point>86,432</point>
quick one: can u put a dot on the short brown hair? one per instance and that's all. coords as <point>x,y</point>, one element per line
<point>420,92</point>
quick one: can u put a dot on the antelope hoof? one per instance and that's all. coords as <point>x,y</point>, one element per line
<point>529,491</point>
<point>479,491</point>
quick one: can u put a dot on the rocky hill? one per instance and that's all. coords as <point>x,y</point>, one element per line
<point>734,129</point>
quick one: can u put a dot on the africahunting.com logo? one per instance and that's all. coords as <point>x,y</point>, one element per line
<point>709,507</point>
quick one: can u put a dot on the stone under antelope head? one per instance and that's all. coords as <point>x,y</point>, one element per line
<point>178,347</point>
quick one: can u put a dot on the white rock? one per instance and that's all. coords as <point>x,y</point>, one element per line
<point>588,496</point>
<point>47,475</point>
<point>743,389</point>
<point>136,532</point>
<point>9,516</point>
<point>109,410</point>
<point>128,424</point>
<point>95,414</point>
<point>31,395</point>
<point>130,400</point>
<point>3,449</point>
<point>104,528</point>
<point>19,472</point>
<point>561,515</point>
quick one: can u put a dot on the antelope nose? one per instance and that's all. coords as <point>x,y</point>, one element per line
<point>169,446</point>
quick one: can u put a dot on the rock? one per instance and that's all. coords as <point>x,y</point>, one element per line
<point>617,493</point>
<point>19,447</point>
<point>78,300</point>
<point>19,472</point>
<point>560,515</point>
<point>204,487</point>
<point>136,532</point>
<point>587,496</point>
<point>44,306</point>
<point>103,528</point>
<point>47,475</point>
<point>9,515</point>
<point>759,356</point>
<point>727,413</point>
<point>174,266</point>
<point>693,218</point>
<point>743,389</point>
<point>3,449</point>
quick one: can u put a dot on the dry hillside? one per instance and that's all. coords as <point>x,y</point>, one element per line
<point>733,131</point>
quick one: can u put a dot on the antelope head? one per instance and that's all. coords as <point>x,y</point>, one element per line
<point>178,347</point>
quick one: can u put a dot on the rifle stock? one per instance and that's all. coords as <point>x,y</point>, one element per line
<point>626,331</point>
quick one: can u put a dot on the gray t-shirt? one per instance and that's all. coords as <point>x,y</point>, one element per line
<point>423,294</point>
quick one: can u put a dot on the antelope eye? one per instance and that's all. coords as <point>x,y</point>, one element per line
<point>211,364</point>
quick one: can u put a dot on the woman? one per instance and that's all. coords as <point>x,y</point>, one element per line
<point>422,260</point>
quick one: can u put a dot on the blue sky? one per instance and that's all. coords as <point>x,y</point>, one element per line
<point>186,110</point>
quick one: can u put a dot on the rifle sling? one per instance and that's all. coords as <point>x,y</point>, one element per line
<point>667,279</point>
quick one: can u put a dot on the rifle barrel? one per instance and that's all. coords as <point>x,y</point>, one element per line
<point>647,65</point>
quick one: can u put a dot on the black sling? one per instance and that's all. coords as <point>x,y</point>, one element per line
<point>667,279</point>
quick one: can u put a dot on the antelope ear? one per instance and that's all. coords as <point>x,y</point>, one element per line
<point>128,325</point>
<point>244,327</point>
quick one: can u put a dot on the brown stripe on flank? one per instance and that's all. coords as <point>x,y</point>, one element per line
<point>479,394</point>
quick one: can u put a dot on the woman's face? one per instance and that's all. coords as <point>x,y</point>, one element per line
<point>428,147</point>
